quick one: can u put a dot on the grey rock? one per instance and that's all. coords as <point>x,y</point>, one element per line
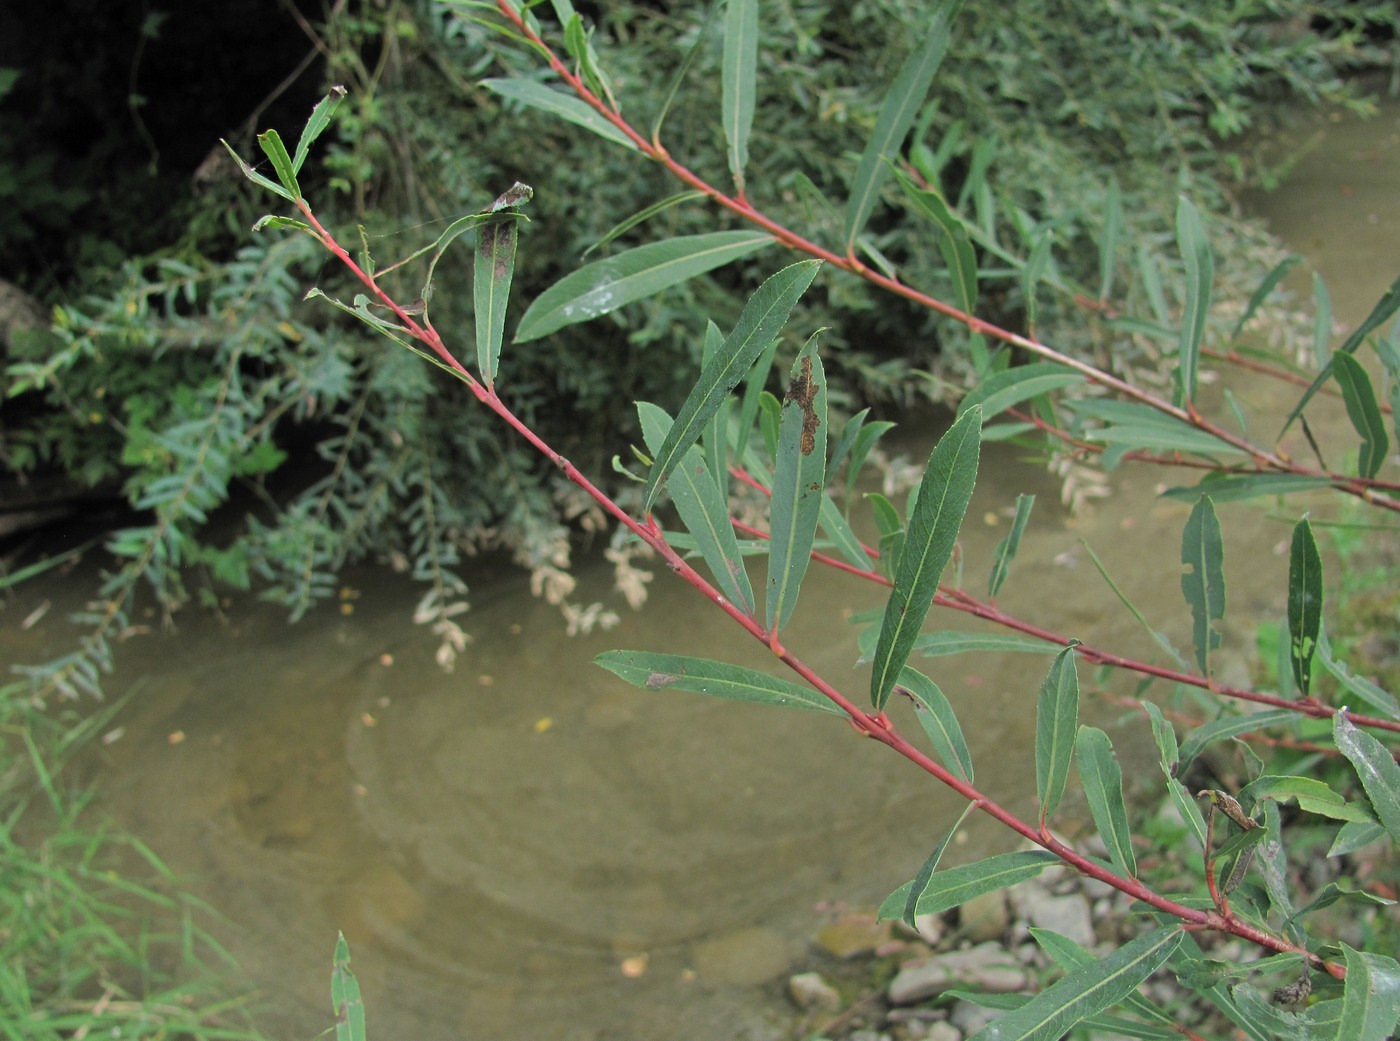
<point>986,967</point>
<point>1066,915</point>
<point>970,1018</point>
<point>943,1031</point>
<point>809,990</point>
<point>984,917</point>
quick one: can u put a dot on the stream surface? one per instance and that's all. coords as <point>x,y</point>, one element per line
<point>527,848</point>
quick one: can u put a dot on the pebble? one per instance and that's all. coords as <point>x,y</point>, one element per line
<point>969,1018</point>
<point>984,917</point>
<point>809,990</point>
<point>852,933</point>
<point>986,967</point>
<point>942,1030</point>
<point>1066,915</point>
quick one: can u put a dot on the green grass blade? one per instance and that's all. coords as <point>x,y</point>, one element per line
<point>762,319</point>
<point>1364,411</point>
<point>1200,275</point>
<point>703,510</point>
<point>495,266</point>
<point>316,125</point>
<point>1203,584</point>
<point>271,144</point>
<point>1056,718</point>
<point>1007,547</point>
<point>940,723</point>
<point>1388,304</point>
<point>739,81</point>
<point>1375,766</point>
<point>1004,390</point>
<point>605,285</point>
<point>1102,779</point>
<point>349,1007</point>
<point>799,478</point>
<point>944,493</point>
<point>1304,602</point>
<point>897,113</point>
<point>714,678</point>
<point>1086,991</point>
<point>960,884</point>
<point>537,95</point>
<point>1371,998</point>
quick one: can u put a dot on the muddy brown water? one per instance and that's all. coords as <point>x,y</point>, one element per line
<point>527,848</point>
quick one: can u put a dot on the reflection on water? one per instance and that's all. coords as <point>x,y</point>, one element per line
<point>528,848</point>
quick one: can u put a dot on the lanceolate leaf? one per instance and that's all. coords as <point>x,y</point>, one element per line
<point>718,680</point>
<point>495,265</point>
<point>958,885</point>
<point>703,510</point>
<point>1223,729</point>
<point>897,114</point>
<point>799,477</point>
<point>346,1002</point>
<point>271,143</point>
<point>1375,699</point>
<point>1069,956</point>
<point>916,888</point>
<point>762,319</point>
<point>1102,778</point>
<point>1006,548</point>
<point>1004,390</point>
<point>1364,411</point>
<point>1087,990</point>
<point>1270,283</point>
<point>605,285</point>
<point>1200,274</point>
<point>739,77</point>
<point>1203,554</point>
<point>838,529</point>
<point>934,645</point>
<point>1056,718</point>
<point>1371,999</point>
<point>1108,245</point>
<point>1248,486</point>
<point>953,242</point>
<point>940,723</point>
<point>1388,304</point>
<point>537,95</point>
<point>943,496</point>
<point>316,125</point>
<point>1375,765</point>
<point>1304,602</point>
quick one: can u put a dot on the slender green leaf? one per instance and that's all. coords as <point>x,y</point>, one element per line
<point>1165,736</point>
<point>1033,272</point>
<point>1086,991</point>
<point>847,440</point>
<point>896,117</point>
<point>1351,837</point>
<point>958,885</point>
<point>1203,582</point>
<point>921,880</point>
<point>1332,892</point>
<point>761,321</point>
<point>316,125</point>
<point>1364,411</point>
<point>579,43</point>
<point>1007,547</point>
<point>936,645</point>
<point>1056,718</point>
<point>271,143</point>
<point>754,384</point>
<point>1374,764</point>
<point>1248,486</point>
<point>495,266</point>
<point>1130,425</point>
<point>1159,637</point>
<point>1112,232</point>
<point>254,176</point>
<point>1189,810</point>
<point>1388,304</point>
<point>739,81</point>
<point>865,440</point>
<point>641,217</point>
<point>953,243</point>
<point>1200,274</point>
<point>1102,778</point>
<point>1322,321</point>
<point>1377,700</point>
<point>1304,602</point>
<point>673,88</point>
<point>943,495</point>
<point>799,478</point>
<point>940,723</point>
<point>1227,727</point>
<point>703,510</point>
<point>605,285</point>
<point>838,529</point>
<point>1371,997</point>
<point>565,106</point>
<point>1070,956</point>
<point>346,1002</point>
<point>716,437</point>
<point>1270,283</point>
<point>1004,390</point>
<point>716,679</point>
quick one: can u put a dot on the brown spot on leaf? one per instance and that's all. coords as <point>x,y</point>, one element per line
<point>802,392</point>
